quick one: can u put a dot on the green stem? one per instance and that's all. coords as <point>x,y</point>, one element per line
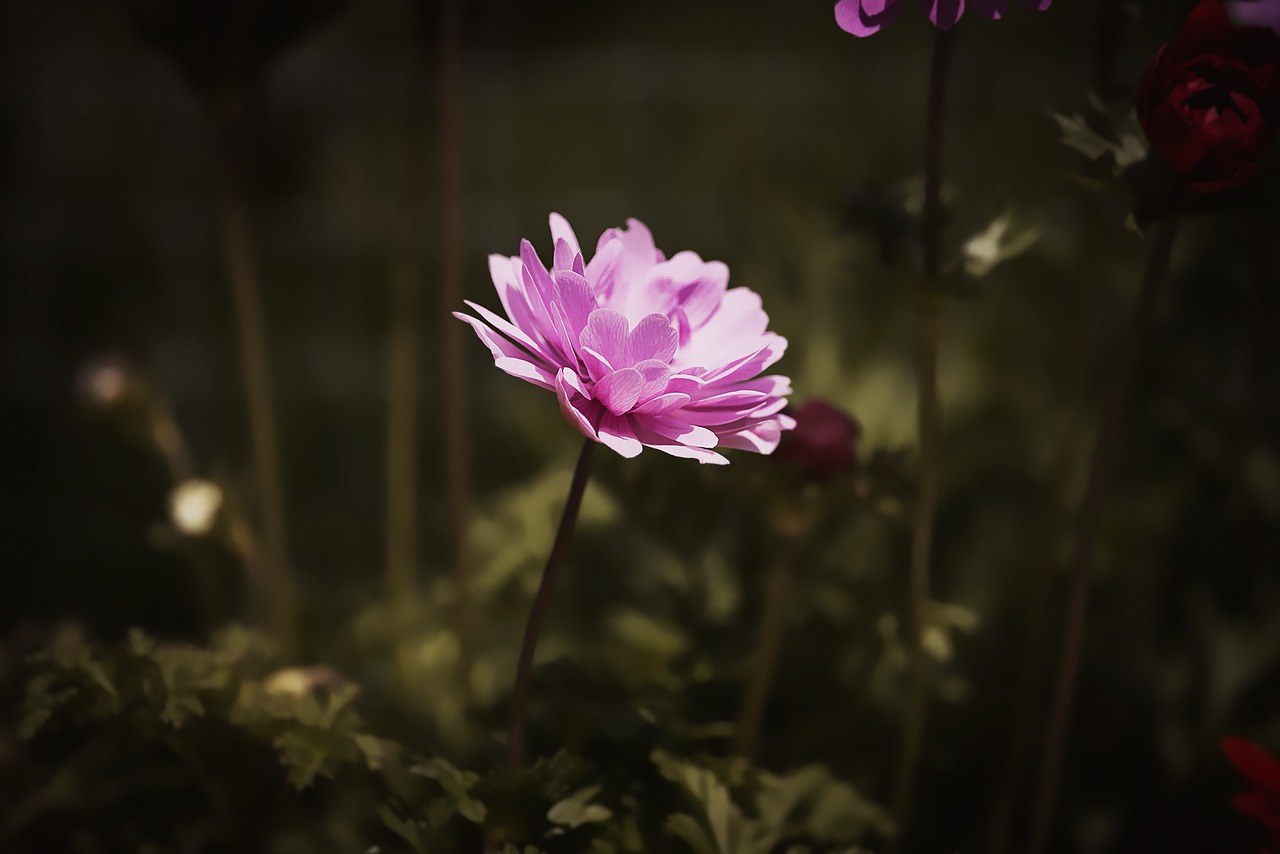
<point>1087,532</point>
<point>541,603</point>
<point>1038,620</point>
<point>773,623</point>
<point>457,486</point>
<point>275,579</point>
<point>403,347</point>
<point>928,412</point>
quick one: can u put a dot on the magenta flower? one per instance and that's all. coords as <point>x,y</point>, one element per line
<point>640,349</point>
<point>865,17</point>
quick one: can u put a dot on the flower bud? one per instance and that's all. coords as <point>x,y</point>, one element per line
<point>821,446</point>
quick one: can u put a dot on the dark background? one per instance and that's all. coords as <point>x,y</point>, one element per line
<point>737,129</point>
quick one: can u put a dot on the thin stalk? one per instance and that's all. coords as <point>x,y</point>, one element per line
<point>453,364</point>
<point>928,409</point>
<point>773,623</point>
<point>1038,620</point>
<point>276,581</point>
<point>1108,29</point>
<point>541,602</point>
<point>1087,532</point>
<point>403,347</point>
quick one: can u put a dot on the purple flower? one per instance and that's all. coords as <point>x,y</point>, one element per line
<point>865,17</point>
<point>640,349</point>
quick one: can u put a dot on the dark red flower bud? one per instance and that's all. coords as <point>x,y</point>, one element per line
<point>1209,100</point>
<point>822,444</point>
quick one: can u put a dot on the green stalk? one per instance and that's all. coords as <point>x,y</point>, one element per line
<point>542,603</point>
<point>453,363</point>
<point>1087,533</point>
<point>273,578</point>
<point>928,414</point>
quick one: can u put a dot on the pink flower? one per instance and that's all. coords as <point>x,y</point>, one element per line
<point>641,350</point>
<point>865,17</point>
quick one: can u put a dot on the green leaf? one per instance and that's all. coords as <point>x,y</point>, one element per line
<point>691,831</point>
<point>404,827</point>
<point>457,785</point>
<point>577,809</point>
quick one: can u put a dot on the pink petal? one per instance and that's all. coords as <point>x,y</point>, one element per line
<point>857,17</point>
<point>655,375</point>
<point>506,274</point>
<point>606,334</point>
<point>662,403</point>
<point>578,411</point>
<point>653,440</point>
<point>617,433</point>
<point>562,259</point>
<point>680,430</point>
<point>736,329</point>
<point>513,332</point>
<point>943,13</point>
<point>598,366</point>
<point>620,390</point>
<point>762,438</point>
<point>575,297</point>
<point>653,338</point>
<point>561,230</point>
<point>509,357</point>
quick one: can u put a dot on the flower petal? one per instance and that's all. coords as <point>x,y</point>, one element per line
<point>606,334</point>
<point>620,390</point>
<point>679,430</point>
<point>561,230</point>
<point>943,13</point>
<point>617,433</point>
<point>662,403</point>
<point>577,410</point>
<point>1254,764</point>
<point>653,338</point>
<point>509,357</point>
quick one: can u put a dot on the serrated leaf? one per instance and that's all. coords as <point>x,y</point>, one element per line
<point>404,827</point>
<point>376,751</point>
<point>577,809</point>
<point>456,784</point>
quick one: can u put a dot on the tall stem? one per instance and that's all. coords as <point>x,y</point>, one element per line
<point>773,622</point>
<point>1038,619</point>
<point>928,409</point>
<point>541,602</point>
<point>403,346</point>
<point>1086,536</point>
<point>456,452</point>
<point>275,579</point>
<point>1109,27</point>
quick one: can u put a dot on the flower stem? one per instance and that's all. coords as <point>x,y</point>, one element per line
<point>456,452</point>
<point>275,580</point>
<point>1037,621</point>
<point>1087,531</point>
<point>541,602</point>
<point>403,346</point>
<point>768,641</point>
<point>928,409</point>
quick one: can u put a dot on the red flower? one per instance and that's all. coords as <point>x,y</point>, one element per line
<point>821,445</point>
<point>1263,772</point>
<point>1209,99</point>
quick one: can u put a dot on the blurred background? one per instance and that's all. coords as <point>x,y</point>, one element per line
<point>135,136</point>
